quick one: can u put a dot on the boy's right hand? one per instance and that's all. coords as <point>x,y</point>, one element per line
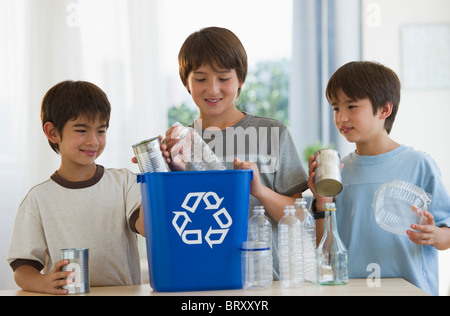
<point>312,164</point>
<point>53,281</point>
<point>173,152</point>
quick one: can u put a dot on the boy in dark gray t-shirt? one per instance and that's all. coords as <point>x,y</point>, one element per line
<point>213,68</point>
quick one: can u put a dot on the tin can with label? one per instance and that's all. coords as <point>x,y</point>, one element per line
<point>328,178</point>
<point>149,156</point>
<point>79,265</point>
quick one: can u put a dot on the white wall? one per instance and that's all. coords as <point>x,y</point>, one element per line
<point>422,121</point>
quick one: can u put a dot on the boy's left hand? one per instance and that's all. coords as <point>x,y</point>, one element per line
<point>256,186</point>
<point>425,234</point>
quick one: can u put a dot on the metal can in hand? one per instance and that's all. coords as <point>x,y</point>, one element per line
<point>79,265</point>
<point>149,156</point>
<point>328,178</point>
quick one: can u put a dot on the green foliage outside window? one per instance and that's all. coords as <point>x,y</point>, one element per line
<point>312,149</point>
<point>266,90</point>
<point>183,114</point>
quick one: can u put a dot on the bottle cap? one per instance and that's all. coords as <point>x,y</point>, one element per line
<point>330,207</point>
<point>289,209</point>
<point>258,209</point>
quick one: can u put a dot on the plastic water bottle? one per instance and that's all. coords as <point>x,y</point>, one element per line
<point>260,230</point>
<point>256,265</point>
<point>309,241</point>
<point>332,253</point>
<point>201,156</point>
<point>259,227</point>
<point>290,249</point>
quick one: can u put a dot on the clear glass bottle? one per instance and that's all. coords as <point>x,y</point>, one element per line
<point>332,253</point>
<point>309,241</point>
<point>290,249</point>
<point>201,156</point>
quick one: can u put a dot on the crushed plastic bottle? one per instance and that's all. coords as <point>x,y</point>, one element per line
<point>201,156</point>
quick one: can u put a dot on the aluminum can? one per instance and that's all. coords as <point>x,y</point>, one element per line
<point>149,156</point>
<point>328,178</point>
<point>79,264</point>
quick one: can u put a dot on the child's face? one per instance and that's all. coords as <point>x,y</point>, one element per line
<point>355,120</point>
<point>213,91</point>
<point>83,141</point>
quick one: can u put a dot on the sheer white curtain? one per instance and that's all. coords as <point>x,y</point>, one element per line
<point>112,43</point>
<point>326,35</point>
<point>13,122</point>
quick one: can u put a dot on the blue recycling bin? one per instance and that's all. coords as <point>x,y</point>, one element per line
<point>195,224</point>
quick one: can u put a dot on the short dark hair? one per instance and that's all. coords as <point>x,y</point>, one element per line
<point>70,99</point>
<point>213,46</point>
<point>364,79</point>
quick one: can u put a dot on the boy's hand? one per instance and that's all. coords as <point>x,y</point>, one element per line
<point>427,233</point>
<point>256,186</point>
<point>53,281</point>
<point>312,164</point>
<point>173,152</point>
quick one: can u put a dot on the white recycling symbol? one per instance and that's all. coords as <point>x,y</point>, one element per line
<point>194,237</point>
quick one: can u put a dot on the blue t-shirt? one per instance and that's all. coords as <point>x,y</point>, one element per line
<point>366,242</point>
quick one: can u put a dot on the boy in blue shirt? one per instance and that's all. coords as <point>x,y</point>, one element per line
<point>365,97</point>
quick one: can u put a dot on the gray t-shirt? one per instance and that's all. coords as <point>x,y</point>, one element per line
<point>268,143</point>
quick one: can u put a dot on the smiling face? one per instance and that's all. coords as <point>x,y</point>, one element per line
<point>356,121</point>
<point>365,80</point>
<point>81,142</point>
<point>214,91</point>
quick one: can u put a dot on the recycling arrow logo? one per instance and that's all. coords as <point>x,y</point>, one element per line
<point>211,202</point>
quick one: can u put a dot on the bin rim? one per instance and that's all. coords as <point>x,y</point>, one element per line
<point>140,176</point>
<point>202,172</point>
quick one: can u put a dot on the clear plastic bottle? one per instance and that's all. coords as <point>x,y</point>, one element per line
<point>259,227</point>
<point>290,249</point>
<point>201,156</point>
<point>309,241</point>
<point>256,265</point>
<point>332,253</point>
